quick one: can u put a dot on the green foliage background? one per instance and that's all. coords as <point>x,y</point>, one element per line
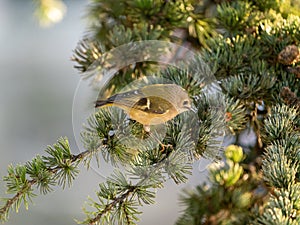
<point>252,48</point>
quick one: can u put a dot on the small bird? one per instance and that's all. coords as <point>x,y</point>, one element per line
<point>152,104</point>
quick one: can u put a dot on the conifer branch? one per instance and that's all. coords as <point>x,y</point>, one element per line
<point>12,201</point>
<point>45,172</point>
<point>113,204</point>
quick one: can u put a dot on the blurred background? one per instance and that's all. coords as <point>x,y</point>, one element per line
<point>37,85</point>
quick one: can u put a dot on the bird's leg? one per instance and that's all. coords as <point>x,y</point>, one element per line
<point>147,129</point>
<point>165,146</point>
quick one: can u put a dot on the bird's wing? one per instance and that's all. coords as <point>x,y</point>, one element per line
<point>136,99</point>
<point>128,98</point>
<point>153,104</point>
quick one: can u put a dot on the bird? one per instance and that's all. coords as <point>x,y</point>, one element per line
<point>152,104</point>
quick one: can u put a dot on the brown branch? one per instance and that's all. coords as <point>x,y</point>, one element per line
<point>4,210</point>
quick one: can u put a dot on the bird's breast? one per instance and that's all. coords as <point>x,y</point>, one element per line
<point>151,118</point>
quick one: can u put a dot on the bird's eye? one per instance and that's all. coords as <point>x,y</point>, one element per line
<point>185,103</point>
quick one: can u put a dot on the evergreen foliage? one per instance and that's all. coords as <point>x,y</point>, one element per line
<point>252,48</point>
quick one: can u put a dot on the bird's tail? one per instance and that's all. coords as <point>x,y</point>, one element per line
<point>100,103</point>
<point>105,102</point>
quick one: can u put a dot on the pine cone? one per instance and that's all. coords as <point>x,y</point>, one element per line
<point>295,70</point>
<point>289,97</point>
<point>289,55</point>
